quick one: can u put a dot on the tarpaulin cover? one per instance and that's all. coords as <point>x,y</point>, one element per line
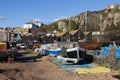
<point>117,55</point>
<point>104,51</point>
<point>69,67</point>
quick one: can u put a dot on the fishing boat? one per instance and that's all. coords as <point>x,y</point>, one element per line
<point>72,52</point>
<point>92,45</point>
<point>53,50</point>
<point>49,49</point>
<point>72,55</point>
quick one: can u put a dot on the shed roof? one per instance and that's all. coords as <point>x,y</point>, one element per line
<point>60,34</point>
<point>86,33</point>
<point>73,32</point>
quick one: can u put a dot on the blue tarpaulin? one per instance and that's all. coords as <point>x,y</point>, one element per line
<point>104,51</point>
<point>69,67</point>
<point>18,37</point>
<point>117,55</point>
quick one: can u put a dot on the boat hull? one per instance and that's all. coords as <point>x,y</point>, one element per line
<point>72,53</point>
<point>91,45</point>
<point>53,52</point>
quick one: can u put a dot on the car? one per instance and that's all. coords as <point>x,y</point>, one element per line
<point>21,45</point>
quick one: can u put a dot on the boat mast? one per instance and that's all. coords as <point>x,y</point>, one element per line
<point>85,25</point>
<point>101,28</point>
<point>69,28</point>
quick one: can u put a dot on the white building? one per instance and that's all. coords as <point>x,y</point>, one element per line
<point>30,25</point>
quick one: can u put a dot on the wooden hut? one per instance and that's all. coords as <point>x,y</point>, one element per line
<point>76,35</point>
<point>47,39</point>
<point>97,36</point>
<point>62,36</point>
<point>87,35</point>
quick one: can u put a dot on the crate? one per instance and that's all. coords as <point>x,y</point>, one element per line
<point>3,46</point>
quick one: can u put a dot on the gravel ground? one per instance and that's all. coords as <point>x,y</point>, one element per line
<point>33,67</point>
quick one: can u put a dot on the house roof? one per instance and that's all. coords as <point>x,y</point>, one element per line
<point>86,33</point>
<point>29,22</point>
<point>60,34</point>
<point>73,32</point>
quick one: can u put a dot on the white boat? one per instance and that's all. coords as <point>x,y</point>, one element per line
<point>43,49</point>
<point>72,55</point>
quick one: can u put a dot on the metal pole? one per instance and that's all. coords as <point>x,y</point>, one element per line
<point>85,24</point>
<point>101,27</point>
<point>69,29</point>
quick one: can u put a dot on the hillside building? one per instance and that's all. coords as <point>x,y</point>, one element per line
<point>31,25</point>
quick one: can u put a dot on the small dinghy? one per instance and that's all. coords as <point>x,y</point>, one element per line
<point>54,52</point>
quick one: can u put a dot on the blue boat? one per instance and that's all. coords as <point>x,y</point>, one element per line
<point>53,52</point>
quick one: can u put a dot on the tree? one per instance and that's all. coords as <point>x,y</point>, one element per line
<point>111,27</point>
<point>74,25</point>
<point>55,25</point>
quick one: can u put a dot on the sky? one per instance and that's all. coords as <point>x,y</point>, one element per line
<point>14,13</point>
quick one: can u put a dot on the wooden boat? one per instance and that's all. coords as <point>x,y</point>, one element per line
<point>91,45</point>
